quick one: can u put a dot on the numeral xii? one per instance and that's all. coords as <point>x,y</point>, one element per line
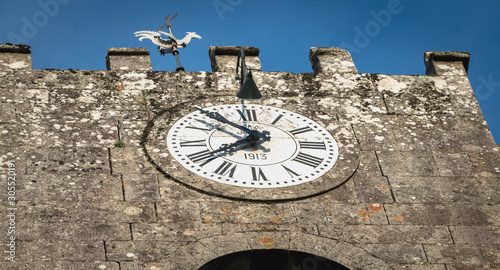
<point>248,115</point>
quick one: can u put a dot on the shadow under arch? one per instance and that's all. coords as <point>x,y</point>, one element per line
<point>272,259</point>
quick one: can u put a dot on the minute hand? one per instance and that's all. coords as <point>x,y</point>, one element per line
<point>217,116</point>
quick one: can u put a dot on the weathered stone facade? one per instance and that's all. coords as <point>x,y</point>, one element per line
<point>424,193</point>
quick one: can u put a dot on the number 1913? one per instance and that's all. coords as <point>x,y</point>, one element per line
<point>252,156</point>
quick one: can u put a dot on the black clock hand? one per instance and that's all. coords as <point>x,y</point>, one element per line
<point>264,135</point>
<point>247,140</point>
<point>215,126</point>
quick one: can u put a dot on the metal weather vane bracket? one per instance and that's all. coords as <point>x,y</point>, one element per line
<point>170,44</point>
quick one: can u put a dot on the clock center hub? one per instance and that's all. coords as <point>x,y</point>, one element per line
<point>279,148</point>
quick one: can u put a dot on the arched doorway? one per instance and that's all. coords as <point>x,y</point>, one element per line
<point>273,259</point>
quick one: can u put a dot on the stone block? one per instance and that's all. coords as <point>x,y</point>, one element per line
<point>67,250</point>
<point>397,253</point>
<point>396,163</point>
<point>386,234</point>
<point>246,213</point>
<point>60,160</point>
<point>226,244</point>
<point>57,187</point>
<point>76,231</point>
<point>141,251</point>
<point>313,244</point>
<point>338,214</point>
<point>174,231</point>
<point>85,211</point>
<point>141,187</point>
<point>477,190</point>
<point>173,212</point>
<point>463,253</point>
<point>443,214</point>
<point>476,234</point>
<point>268,240</point>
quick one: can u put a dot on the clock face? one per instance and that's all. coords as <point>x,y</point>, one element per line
<point>252,146</point>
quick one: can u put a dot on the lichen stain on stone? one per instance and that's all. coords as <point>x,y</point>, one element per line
<point>189,232</point>
<point>399,218</point>
<point>383,187</point>
<point>275,220</point>
<point>390,84</point>
<point>17,65</point>
<point>226,211</point>
<point>364,214</point>
<point>267,241</point>
<point>208,220</point>
<point>375,207</point>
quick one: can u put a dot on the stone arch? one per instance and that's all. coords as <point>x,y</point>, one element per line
<point>345,254</point>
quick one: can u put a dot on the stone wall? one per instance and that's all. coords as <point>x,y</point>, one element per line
<point>424,194</point>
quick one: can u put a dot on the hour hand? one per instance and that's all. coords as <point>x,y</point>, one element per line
<point>253,133</point>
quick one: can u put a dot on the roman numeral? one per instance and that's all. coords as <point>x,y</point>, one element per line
<point>258,174</point>
<point>276,119</point>
<point>225,168</point>
<point>206,130</point>
<point>289,171</point>
<point>251,115</point>
<point>204,156</point>
<point>300,130</point>
<point>308,160</point>
<point>196,143</point>
<point>312,145</point>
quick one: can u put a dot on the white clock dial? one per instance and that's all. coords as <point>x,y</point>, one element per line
<point>252,146</point>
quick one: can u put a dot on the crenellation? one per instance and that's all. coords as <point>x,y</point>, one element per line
<point>331,60</point>
<point>225,58</point>
<point>15,57</point>
<point>447,63</point>
<point>128,59</point>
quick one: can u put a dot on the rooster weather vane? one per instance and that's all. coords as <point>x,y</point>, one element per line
<point>169,45</point>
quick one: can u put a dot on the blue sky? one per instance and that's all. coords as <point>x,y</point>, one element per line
<point>76,34</point>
